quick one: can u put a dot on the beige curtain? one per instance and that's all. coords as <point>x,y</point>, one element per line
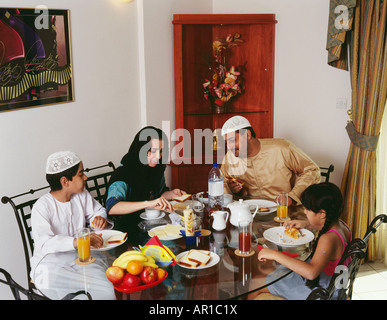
<point>381,189</point>
<point>368,58</point>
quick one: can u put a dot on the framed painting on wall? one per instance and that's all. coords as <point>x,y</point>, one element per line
<point>35,57</point>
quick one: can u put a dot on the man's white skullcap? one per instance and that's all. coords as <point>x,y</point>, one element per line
<point>235,123</point>
<point>61,161</point>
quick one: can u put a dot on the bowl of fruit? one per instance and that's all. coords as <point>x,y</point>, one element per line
<point>134,271</point>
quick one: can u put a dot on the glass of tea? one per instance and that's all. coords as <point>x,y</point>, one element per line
<point>244,227</point>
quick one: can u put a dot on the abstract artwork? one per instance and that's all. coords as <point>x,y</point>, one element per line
<point>35,57</point>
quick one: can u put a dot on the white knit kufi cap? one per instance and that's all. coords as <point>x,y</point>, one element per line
<point>235,123</point>
<point>61,161</point>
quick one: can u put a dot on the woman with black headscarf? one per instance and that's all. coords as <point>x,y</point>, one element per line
<point>139,182</point>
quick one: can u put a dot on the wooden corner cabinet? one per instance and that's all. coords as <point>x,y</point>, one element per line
<point>193,38</point>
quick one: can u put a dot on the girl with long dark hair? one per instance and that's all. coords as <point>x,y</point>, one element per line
<point>323,204</point>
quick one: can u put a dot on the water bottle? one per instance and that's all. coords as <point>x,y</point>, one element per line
<point>215,188</point>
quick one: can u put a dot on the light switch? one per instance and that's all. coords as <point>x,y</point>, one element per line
<point>341,103</point>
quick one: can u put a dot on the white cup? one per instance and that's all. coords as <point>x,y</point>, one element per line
<point>152,213</point>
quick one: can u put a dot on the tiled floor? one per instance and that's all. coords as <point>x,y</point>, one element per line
<point>371,282</point>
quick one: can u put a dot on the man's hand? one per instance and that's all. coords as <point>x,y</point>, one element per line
<point>234,185</point>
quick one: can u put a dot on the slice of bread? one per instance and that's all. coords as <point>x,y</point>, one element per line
<point>182,198</point>
<point>198,256</point>
<point>117,238</point>
<point>185,262</point>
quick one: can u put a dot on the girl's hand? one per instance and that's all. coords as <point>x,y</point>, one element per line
<point>266,254</point>
<point>298,224</point>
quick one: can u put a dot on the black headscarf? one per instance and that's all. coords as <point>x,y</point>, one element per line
<point>135,171</point>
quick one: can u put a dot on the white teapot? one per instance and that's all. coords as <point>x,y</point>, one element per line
<point>219,223</point>
<point>240,211</point>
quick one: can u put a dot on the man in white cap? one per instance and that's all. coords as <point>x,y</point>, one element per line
<point>264,167</point>
<point>58,215</point>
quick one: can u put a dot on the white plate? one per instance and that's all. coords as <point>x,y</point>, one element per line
<point>213,261</point>
<point>168,237</point>
<point>261,204</point>
<point>143,216</point>
<point>278,237</point>
<point>106,234</point>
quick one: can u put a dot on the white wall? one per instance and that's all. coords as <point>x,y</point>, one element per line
<point>306,87</point>
<point>117,91</point>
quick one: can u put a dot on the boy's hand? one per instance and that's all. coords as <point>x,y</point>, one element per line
<point>99,223</point>
<point>96,240</point>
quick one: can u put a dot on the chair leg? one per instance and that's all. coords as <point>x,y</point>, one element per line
<point>11,283</point>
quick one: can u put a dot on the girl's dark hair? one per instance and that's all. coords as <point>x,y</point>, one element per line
<point>135,170</point>
<point>323,196</point>
<point>54,179</point>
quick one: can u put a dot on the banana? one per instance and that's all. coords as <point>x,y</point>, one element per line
<point>123,260</point>
<point>150,264</point>
<point>150,259</point>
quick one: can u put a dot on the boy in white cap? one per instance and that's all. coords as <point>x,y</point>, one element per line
<point>264,167</point>
<point>58,215</point>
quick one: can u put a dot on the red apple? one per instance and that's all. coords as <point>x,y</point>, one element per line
<point>130,281</point>
<point>148,275</point>
<point>115,274</point>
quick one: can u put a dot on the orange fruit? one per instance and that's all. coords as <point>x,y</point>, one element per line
<point>160,273</point>
<point>134,267</point>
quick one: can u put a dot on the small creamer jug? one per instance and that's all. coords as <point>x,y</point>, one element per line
<point>220,220</point>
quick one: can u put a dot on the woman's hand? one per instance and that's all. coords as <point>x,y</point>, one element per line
<point>169,195</point>
<point>160,203</point>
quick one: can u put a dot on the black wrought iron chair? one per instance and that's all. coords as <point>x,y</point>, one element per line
<point>17,290</point>
<point>325,172</point>
<point>341,284</point>
<point>96,185</point>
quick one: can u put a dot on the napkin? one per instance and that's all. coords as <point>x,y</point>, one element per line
<point>175,218</point>
<point>287,253</point>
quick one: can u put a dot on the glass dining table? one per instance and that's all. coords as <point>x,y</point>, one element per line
<point>230,276</point>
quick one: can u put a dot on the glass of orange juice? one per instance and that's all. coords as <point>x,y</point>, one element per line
<point>282,206</point>
<point>83,239</point>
